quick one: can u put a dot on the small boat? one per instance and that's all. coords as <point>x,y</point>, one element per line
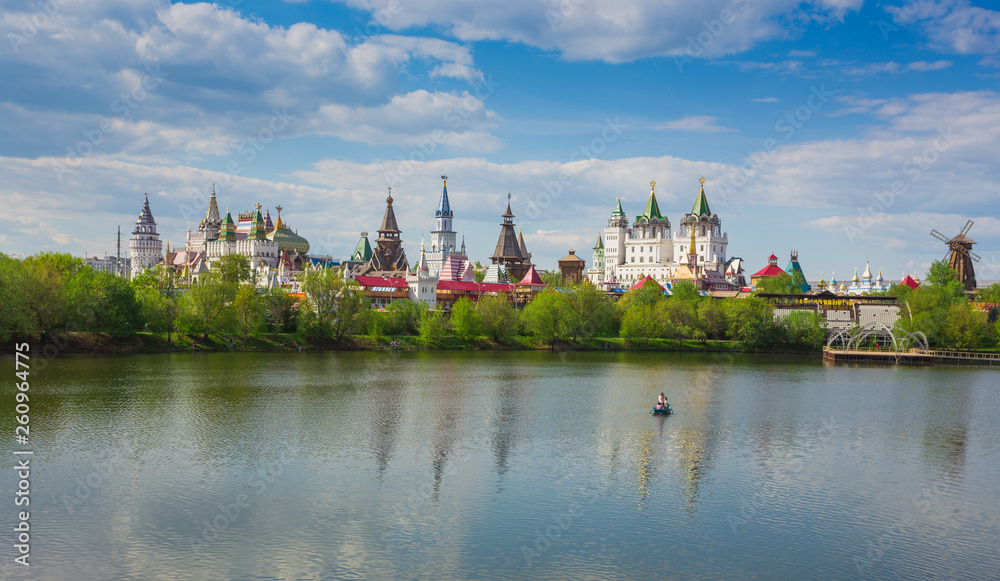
<point>666,411</point>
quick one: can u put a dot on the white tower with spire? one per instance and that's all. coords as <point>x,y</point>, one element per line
<point>145,247</point>
<point>443,239</point>
<point>422,282</point>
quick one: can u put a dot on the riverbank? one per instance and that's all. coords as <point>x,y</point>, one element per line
<point>105,344</point>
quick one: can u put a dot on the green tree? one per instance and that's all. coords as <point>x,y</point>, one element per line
<point>15,299</point>
<point>990,294</point>
<point>248,310</point>
<point>279,311</point>
<point>551,278</point>
<point>965,327</point>
<point>642,322</point>
<point>928,307</point>
<point>158,311</point>
<point>433,327</point>
<point>784,284</point>
<point>404,317</point>
<point>234,269</point>
<point>207,306</point>
<point>680,319</point>
<point>497,317</point>
<point>550,316</point>
<point>594,312</point>
<point>339,306</point>
<point>751,322</point>
<point>465,319</point>
<point>712,318</point>
<point>804,330</point>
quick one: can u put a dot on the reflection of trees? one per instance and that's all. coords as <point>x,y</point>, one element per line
<point>698,436</point>
<point>448,405</point>
<point>507,413</point>
<point>946,433</point>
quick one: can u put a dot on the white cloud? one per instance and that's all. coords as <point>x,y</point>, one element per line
<point>922,66</point>
<point>894,68</point>
<point>954,25</point>
<point>617,30</point>
<point>222,74</point>
<point>695,124</point>
<point>456,120</point>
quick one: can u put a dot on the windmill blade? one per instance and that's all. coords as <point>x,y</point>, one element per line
<point>968,226</point>
<point>974,256</point>
<point>939,236</point>
<point>962,249</point>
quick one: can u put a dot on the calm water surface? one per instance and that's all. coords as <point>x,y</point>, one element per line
<point>508,466</point>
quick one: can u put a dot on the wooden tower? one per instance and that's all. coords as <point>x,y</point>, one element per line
<point>960,255</point>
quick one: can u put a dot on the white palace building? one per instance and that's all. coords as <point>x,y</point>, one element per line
<point>626,254</point>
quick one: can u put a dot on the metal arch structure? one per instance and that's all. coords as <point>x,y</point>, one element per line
<point>842,336</point>
<point>869,330</point>
<point>918,338</point>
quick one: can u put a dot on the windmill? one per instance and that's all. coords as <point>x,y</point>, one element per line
<point>960,255</point>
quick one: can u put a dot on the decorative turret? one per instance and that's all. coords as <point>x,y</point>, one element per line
<point>388,256</point>
<point>228,230</point>
<point>145,245</point>
<point>256,225</point>
<point>618,219</point>
<point>508,249</point>
<point>701,203</point>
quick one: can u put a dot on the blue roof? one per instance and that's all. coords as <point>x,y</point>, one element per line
<point>444,208</point>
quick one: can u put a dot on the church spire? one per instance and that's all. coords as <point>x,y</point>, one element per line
<point>652,210</point>
<point>444,206</point>
<point>701,202</point>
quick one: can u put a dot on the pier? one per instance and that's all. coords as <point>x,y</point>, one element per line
<point>910,357</point>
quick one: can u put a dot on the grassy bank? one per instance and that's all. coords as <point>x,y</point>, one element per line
<point>103,343</point>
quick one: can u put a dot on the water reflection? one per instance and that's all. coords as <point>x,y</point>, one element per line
<point>503,444</point>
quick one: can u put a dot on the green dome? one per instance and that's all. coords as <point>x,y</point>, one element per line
<point>287,240</point>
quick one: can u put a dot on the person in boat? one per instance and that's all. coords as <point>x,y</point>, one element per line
<point>662,400</point>
<point>659,405</point>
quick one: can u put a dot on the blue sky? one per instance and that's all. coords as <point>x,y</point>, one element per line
<point>843,129</point>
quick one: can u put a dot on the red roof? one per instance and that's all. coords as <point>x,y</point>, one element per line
<point>643,282</point>
<point>531,277</point>
<point>772,257</point>
<point>770,270</point>
<point>908,281</point>
<point>378,281</point>
<point>486,287</point>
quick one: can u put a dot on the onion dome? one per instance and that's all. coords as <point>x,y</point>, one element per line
<point>855,277</point>
<point>287,240</point>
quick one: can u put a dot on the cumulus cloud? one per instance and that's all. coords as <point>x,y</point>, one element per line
<point>954,25</point>
<point>220,75</point>
<point>618,30</point>
<point>456,120</point>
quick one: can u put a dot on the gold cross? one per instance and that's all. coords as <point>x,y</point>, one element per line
<point>702,180</point>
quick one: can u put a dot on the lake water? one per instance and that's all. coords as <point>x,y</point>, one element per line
<point>507,466</point>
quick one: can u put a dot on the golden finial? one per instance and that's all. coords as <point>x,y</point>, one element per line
<point>652,185</point>
<point>702,180</point>
<point>279,209</point>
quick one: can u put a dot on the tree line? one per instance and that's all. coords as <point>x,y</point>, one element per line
<point>57,293</point>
